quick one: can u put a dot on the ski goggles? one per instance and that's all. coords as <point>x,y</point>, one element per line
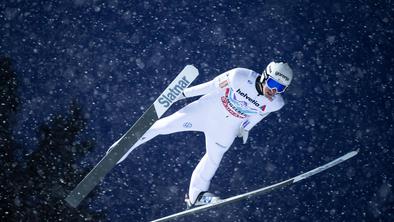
<point>273,84</point>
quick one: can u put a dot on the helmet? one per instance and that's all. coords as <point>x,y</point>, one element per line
<point>279,71</point>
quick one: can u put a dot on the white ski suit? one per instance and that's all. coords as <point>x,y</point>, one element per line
<point>230,102</point>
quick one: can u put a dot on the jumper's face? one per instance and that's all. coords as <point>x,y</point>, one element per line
<point>268,92</point>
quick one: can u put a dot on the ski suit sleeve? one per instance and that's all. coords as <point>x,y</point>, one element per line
<point>205,88</point>
<point>249,123</point>
<point>199,90</point>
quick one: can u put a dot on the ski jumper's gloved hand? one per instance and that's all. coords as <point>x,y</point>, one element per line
<point>248,124</point>
<point>180,97</point>
<point>199,90</point>
<point>218,83</point>
<point>243,133</point>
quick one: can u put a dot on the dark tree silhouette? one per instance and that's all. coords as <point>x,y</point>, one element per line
<point>53,169</point>
<point>8,107</point>
<point>34,189</point>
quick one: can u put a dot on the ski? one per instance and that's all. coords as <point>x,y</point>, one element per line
<point>151,115</point>
<point>261,190</point>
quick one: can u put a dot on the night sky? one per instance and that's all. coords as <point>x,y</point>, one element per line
<point>116,57</point>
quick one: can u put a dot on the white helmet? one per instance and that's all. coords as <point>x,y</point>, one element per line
<point>279,71</point>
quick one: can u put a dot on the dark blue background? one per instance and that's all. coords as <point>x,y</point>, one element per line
<point>117,56</point>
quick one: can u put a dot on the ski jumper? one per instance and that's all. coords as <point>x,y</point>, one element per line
<point>228,102</point>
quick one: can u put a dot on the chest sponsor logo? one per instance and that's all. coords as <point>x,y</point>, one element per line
<point>253,101</point>
<point>245,95</point>
<point>237,107</point>
<point>231,109</point>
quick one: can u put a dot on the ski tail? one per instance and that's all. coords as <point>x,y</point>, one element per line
<point>121,147</point>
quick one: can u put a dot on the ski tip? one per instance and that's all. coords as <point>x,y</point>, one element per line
<point>351,154</point>
<point>191,65</point>
<point>191,68</point>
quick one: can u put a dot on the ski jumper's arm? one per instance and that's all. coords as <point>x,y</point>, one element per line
<point>215,85</point>
<point>199,90</point>
<point>249,123</point>
<point>207,87</point>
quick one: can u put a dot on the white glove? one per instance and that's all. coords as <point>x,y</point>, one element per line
<point>180,97</point>
<point>244,134</point>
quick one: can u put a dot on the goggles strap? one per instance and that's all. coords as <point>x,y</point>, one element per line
<point>264,76</point>
<point>258,86</point>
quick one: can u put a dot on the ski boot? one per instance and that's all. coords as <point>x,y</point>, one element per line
<point>203,198</point>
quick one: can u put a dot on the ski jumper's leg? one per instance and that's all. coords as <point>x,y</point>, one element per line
<point>206,168</point>
<point>182,120</point>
